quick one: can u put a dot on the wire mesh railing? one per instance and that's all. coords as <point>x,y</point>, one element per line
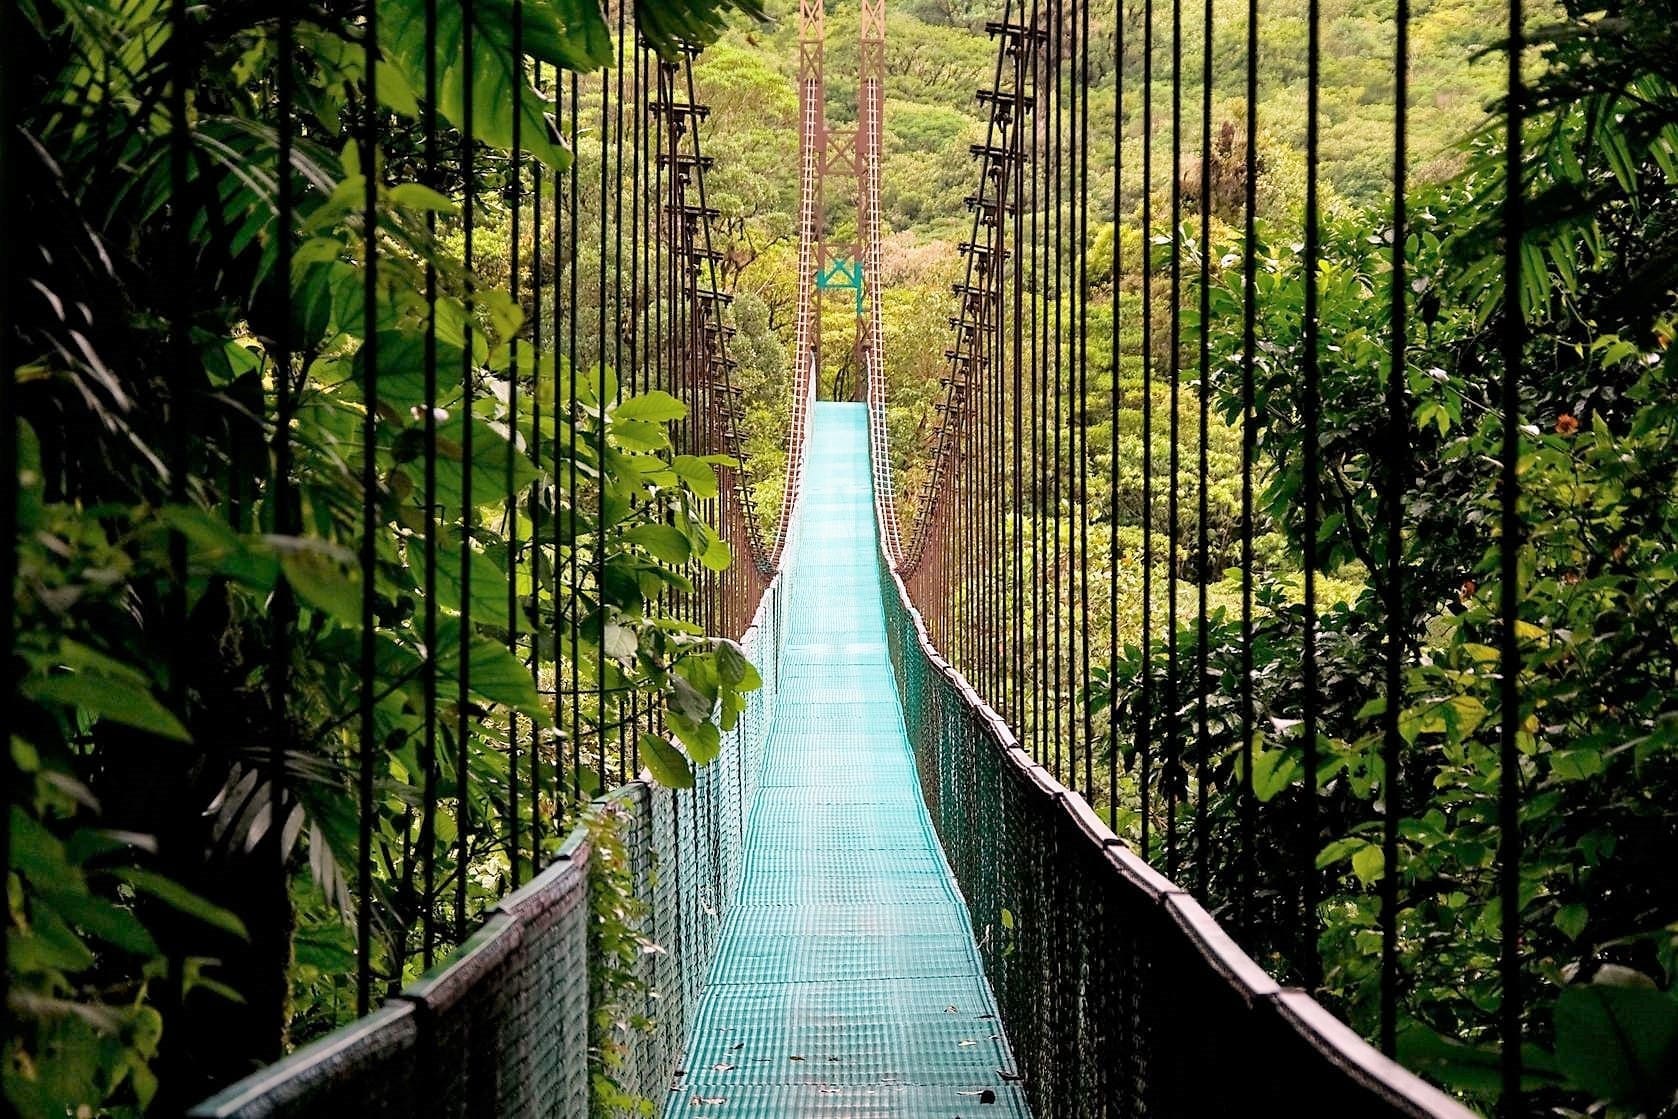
<point>513,1022</point>
<point>402,445</point>
<point>1176,530</point>
<point>1120,994</point>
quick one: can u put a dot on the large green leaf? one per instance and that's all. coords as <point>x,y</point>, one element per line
<point>667,26</point>
<point>492,454</point>
<point>570,34</point>
<point>668,765</point>
<point>111,923</point>
<point>1369,863</point>
<point>735,669</point>
<point>698,475</point>
<point>324,578</point>
<point>701,737</point>
<point>108,697</point>
<point>177,896</point>
<point>656,406</point>
<point>488,580</point>
<point>402,364</point>
<point>717,554</point>
<point>48,944</point>
<point>1619,1043</point>
<point>666,543</point>
<point>1273,771</point>
<point>495,673</point>
<point>1468,1068</point>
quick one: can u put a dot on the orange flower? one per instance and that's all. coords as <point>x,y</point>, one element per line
<point>1566,424</point>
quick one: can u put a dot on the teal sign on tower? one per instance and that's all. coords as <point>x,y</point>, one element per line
<point>842,273</point>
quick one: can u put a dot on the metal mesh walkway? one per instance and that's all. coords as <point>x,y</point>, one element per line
<point>847,983</point>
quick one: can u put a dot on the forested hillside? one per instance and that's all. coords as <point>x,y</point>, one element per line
<point>938,55</point>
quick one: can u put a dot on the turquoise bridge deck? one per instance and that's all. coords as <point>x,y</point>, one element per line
<point>846,984</point>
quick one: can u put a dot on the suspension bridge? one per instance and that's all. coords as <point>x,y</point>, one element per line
<point>896,889</point>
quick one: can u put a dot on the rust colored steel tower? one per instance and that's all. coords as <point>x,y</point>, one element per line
<point>827,264</point>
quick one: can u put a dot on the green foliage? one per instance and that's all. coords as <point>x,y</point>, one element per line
<point>933,63</point>
<point>1598,709</point>
<point>617,948</point>
<point>1619,1042</point>
<point>190,594</point>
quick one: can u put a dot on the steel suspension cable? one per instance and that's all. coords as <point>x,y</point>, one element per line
<point>1066,51</point>
<point>1202,649</point>
<point>995,400</point>
<point>11,239</point>
<point>1173,700</point>
<point>1076,542</point>
<point>1012,214</point>
<point>956,531</point>
<point>367,742</point>
<point>1065,748</point>
<point>283,605</point>
<point>1145,709</point>
<point>1115,357</point>
<point>1083,290</point>
<point>1512,536</point>
<point>468,391</point>
<point>428,668</point>
<point>627,737</point>
<point>1248,879</point>
<point>1039,425</point>
<point>572,445</point>
<point>978,469</point>
<point>598,560</point>
<point>1307,959</point>
<point>996,552</point>
<point>1397,456</point>
<point>510,509</point>
<point>534,502</point>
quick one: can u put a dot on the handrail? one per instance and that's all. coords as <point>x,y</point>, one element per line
<point>1205,1029</point>
<point>804,370</point>
<point>737,509</point>
<point>874,353</point>
<point>982,257</point>
<point>765,556</point>
<point>501,1026</point>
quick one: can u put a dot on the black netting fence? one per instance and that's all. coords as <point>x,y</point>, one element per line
<point>504,1026</point>
<point>1120,995</point>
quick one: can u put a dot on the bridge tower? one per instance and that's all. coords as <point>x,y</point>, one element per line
<point>827,264</point>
